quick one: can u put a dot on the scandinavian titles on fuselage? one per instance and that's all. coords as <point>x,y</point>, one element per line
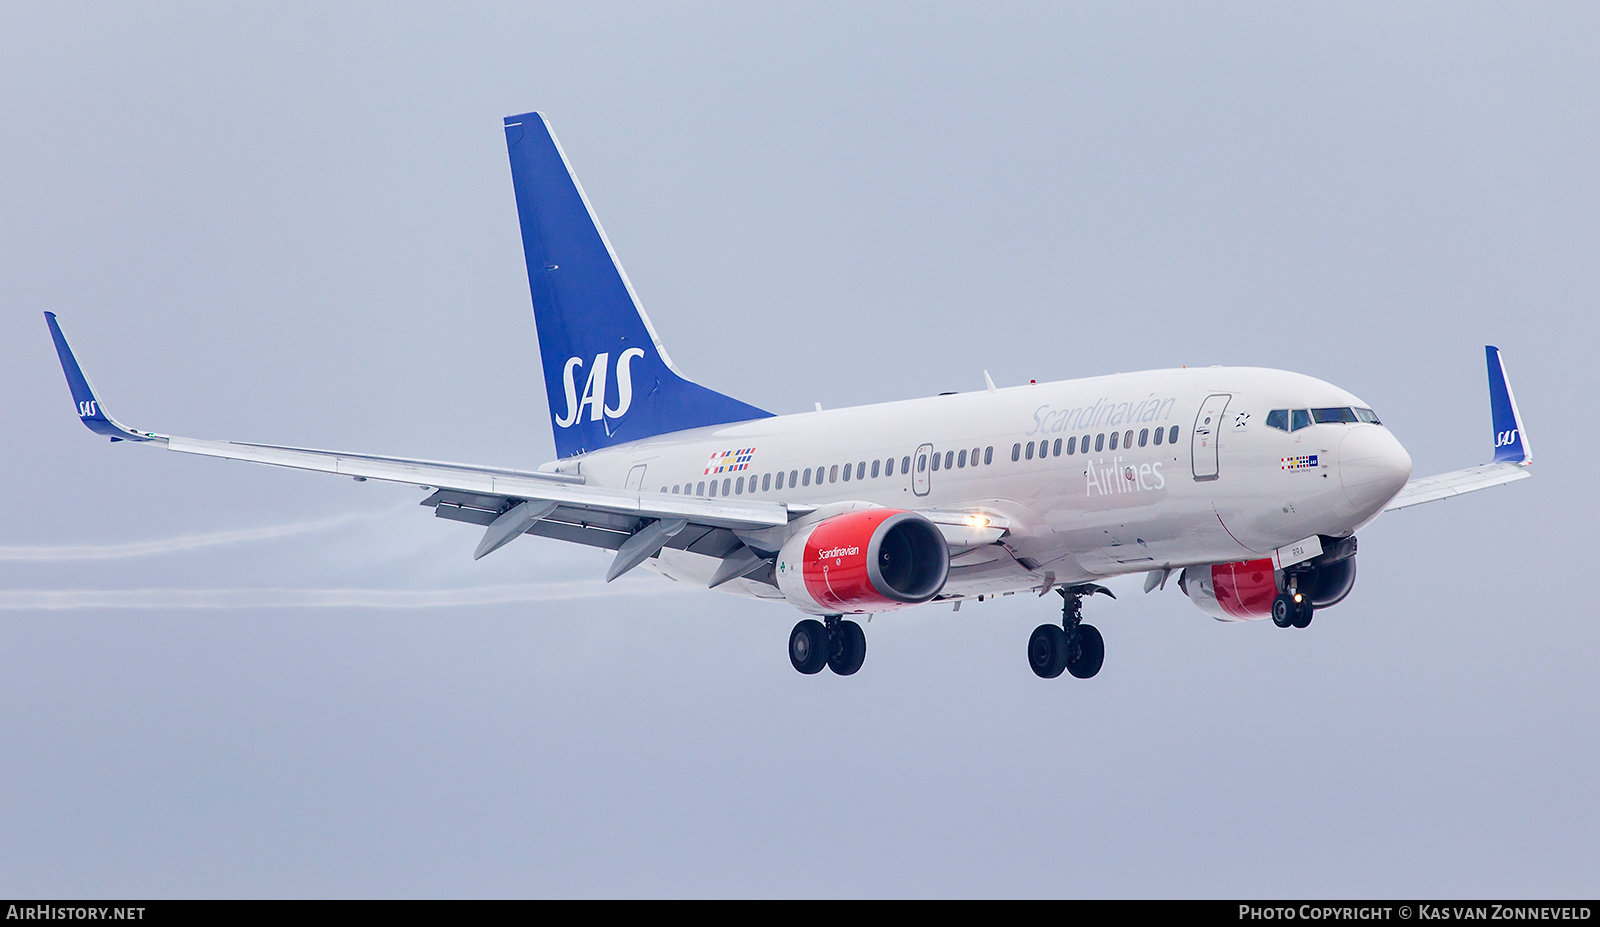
<point>1103,412</point>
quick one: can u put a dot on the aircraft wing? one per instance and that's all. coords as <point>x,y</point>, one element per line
<point>1456,483</point>
<point>507,502</point>
<point>1512,455</point>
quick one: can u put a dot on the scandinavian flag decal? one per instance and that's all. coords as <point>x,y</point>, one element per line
<point>1303,462</point>
<point>730,461</point>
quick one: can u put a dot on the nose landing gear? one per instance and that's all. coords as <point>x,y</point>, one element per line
<point>1292,608</point>
<point>1074,646</point>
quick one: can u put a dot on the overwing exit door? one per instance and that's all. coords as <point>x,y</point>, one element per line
<point>919,469</point>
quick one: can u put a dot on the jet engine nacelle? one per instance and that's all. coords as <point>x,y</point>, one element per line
<point>869,560</point>
<point>1232,591</point>
<point>1244,591</point>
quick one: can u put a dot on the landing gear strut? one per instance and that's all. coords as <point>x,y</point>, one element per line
<point>1292,608</point>
<point>1075,647</point>
<point>835,643</point>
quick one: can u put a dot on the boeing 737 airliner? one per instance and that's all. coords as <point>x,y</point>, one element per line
<point>1250,484</point>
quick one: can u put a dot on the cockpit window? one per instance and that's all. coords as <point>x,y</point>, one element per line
<point>1325,416</point>
<point>1296,419</point>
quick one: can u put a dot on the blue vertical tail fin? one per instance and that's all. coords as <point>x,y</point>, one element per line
<point>606,374</point>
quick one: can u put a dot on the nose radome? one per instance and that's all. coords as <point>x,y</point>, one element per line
<point>1372,466</point>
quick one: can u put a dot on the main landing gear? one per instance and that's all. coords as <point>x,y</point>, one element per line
<point>839,645</point>
<point>1075,647</point>
<point>1292,608</point>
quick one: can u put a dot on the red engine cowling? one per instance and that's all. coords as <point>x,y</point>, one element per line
<point>1232,591</point>
<point>872,560</point>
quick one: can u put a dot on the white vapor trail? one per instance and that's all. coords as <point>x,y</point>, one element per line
<point>183,542</point>
<point>65,599</point>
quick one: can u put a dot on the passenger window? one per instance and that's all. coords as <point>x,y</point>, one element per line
<point>905,465</point>
<point>1028,453</point>
<point>1072,445</point>
<point>833,473</point>
<point>1113,440</point>
<point>876,466</point>
<point>1279,419</point>
<point>1172,435</point>
<point>1160,432</point>
<point>738,488</point>
<point>974,457</point>
<point>888,467</point>
<point>701,489</point>
<point>961,461</point>
<point>766,482</point>
<point>1144,436</point>
<point>1084,445</point>
<point>805,477</point>
<point>1127,439</point>
<point>861,469</point>
<point>847,469</point>
<point>1099,442</point>
<point>725,486</point>
<point>819,475</point>
<point>949,458</point>
<point>1016,452</point>
<point>1057,449</point>
<point>988,455</point>
<point>922,463</point>
<point>713,489</point>
<point>792,475</point>
<point>1298,419</point>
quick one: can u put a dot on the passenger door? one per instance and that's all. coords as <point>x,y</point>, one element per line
<point>1203,440</point>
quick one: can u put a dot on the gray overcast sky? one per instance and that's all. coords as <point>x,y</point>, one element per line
<point>294,224</point>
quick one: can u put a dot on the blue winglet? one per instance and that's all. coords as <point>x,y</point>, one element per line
<point>90,409</point>
<point>1510,438</point>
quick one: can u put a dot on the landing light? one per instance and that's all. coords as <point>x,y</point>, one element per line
<point>977,521</point>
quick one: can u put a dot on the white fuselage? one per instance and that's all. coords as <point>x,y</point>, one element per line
<point>1228,488</point>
